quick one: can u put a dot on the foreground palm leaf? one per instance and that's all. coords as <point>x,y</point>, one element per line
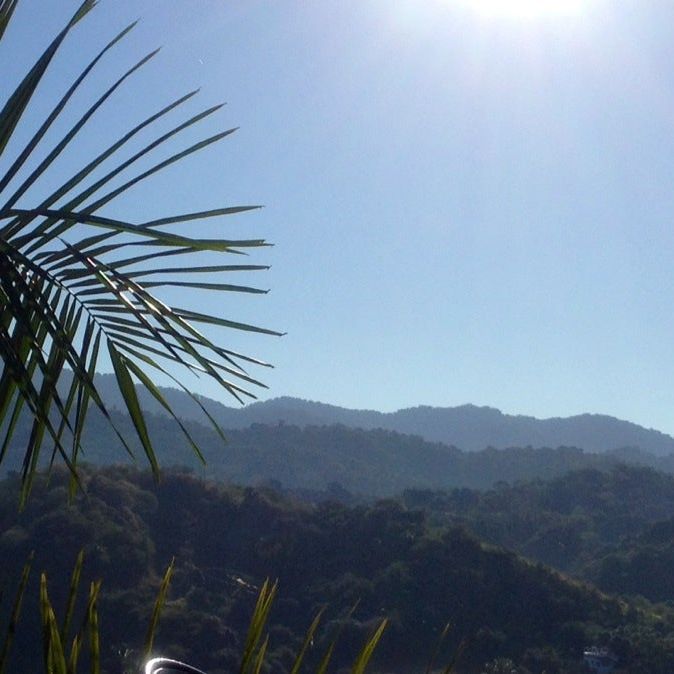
<point>77,286</point>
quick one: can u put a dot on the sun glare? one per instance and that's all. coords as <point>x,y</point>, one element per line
<point>527,9</point>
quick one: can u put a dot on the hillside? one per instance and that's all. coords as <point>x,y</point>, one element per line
<point>365,463</point>
<point>467,427</point>
<point>227,540</point>
<point>639,564</point>
<point>613,528</point>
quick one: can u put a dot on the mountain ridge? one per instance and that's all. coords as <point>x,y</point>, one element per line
<point>468,427</point>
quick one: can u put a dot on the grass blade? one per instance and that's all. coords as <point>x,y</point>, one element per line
<point>438,646</point>
<point>366,653</point>
<point>16,613</point>
<point>94,636</point>
<point>72,596</point>
<point>308,640</point>
<point>54,655</point>
<point>156,610</point>
<point>325,661</point>
<point>257,624</point>
<point>457,655</point>
<point>259,659</point>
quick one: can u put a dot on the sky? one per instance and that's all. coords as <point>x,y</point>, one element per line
<point>466,205</point>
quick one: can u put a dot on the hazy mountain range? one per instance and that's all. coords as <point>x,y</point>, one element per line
<point>468,427</point>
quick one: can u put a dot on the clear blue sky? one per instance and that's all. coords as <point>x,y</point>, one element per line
<point>466,207</point>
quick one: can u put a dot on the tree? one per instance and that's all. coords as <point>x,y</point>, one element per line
<point>77,286</point>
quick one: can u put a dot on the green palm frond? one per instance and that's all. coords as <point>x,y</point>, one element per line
<point>79,288</point>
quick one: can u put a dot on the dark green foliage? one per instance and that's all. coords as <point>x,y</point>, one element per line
<point>641,564</point>
<point>614,528</point>
<point>345,461</point>
<point>227,540</point>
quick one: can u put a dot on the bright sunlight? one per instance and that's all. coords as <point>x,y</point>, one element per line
<point>527,9</point>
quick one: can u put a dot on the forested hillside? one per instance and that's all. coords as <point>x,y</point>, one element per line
<point>614,528</point>
<point>367,464</point>
<point>227,540</point>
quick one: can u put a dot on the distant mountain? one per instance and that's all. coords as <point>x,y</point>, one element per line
<point>318,458</point>
<point>467,427</point>
<point>320,461</point>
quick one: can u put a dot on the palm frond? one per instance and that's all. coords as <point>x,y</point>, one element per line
<point>7,8</point>
<point>80,288</point>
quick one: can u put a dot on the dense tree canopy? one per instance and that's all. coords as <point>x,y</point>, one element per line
<point>385,555</point>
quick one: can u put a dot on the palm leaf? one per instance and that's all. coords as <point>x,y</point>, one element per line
<point>7,8</point>
<point>18,101</point>
<point>32,144</point>
<point>79,287</point>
